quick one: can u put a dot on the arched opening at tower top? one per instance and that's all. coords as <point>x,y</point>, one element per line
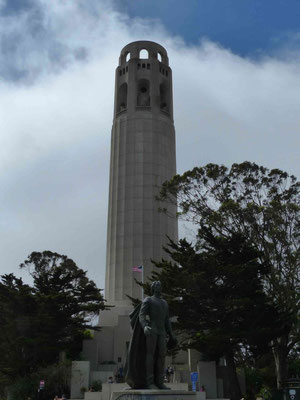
<point>144,54</point>
<point>159,57</point>
<point>127,57</point>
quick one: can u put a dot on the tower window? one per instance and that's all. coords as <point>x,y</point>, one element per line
<point>138,66</point>
<point>127,57</point>
<point>123,70</point>
<point>143,65</point>
<point>148,66</point>
<point>164,97</point>
<point>166,73</point>
<point>159,57</point>
<point>144,54</point>
<point>126,69</point>
<point>122,98</point>
<point>120,72</point>
<point>143,95</point>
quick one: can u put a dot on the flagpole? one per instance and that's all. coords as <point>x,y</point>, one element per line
<point>142,282</point>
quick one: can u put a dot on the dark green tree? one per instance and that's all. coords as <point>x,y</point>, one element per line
<point>216,293</point>
<point>39,322</point>
<point>57,380</point>
<point>17,315</point>
<point>264,206</point>
<point>68,299</point>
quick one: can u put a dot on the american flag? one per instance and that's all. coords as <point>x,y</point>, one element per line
<point>138,269</point>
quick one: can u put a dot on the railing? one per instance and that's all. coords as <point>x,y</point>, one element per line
<point>143,108</point>
<point>121,112</point>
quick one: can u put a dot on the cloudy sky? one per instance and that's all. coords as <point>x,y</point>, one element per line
<point>236,73</point>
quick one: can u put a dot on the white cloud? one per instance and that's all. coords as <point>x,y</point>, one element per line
<point>237,109</point>
<point>55,122</point>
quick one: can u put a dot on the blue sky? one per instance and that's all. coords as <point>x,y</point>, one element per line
<point>236,85</point>
<point>247,27</point>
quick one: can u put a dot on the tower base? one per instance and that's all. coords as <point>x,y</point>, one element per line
<point>153,395</point>
<point>109,345</point>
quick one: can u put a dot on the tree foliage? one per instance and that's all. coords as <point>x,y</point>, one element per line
<point>17,326</point>
<point>264,206</point>
<point>57,381</point>
<point>217,296</point>
<point>40,321</point>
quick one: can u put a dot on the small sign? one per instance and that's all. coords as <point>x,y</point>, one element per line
<point>194,376</point>
<point>194,379</point>
<point>42,384</point>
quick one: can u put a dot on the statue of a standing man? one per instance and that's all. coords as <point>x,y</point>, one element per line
<point>150,328</point>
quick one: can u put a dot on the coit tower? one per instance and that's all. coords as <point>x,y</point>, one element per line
<point>142,158</point>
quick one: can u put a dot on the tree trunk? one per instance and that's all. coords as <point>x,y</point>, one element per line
<point>280,352</point>
<point>234,386</point>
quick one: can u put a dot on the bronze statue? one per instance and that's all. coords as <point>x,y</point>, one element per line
<point>147,349</point>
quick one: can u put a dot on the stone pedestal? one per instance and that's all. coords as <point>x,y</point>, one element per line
<point>153,395</point>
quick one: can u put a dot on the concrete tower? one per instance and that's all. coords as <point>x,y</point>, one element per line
<point>142,158</point>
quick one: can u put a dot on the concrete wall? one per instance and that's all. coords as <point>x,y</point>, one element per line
<point>93,396</point>
<point>112,340</point>
<point>105,339</point>
<point>124,332</point>
<point>80,378</point>
<point>201,395</point>
<point>109,388</point>
<point>208,378</point>
<point>90,350</point>
<point>106,344</point>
